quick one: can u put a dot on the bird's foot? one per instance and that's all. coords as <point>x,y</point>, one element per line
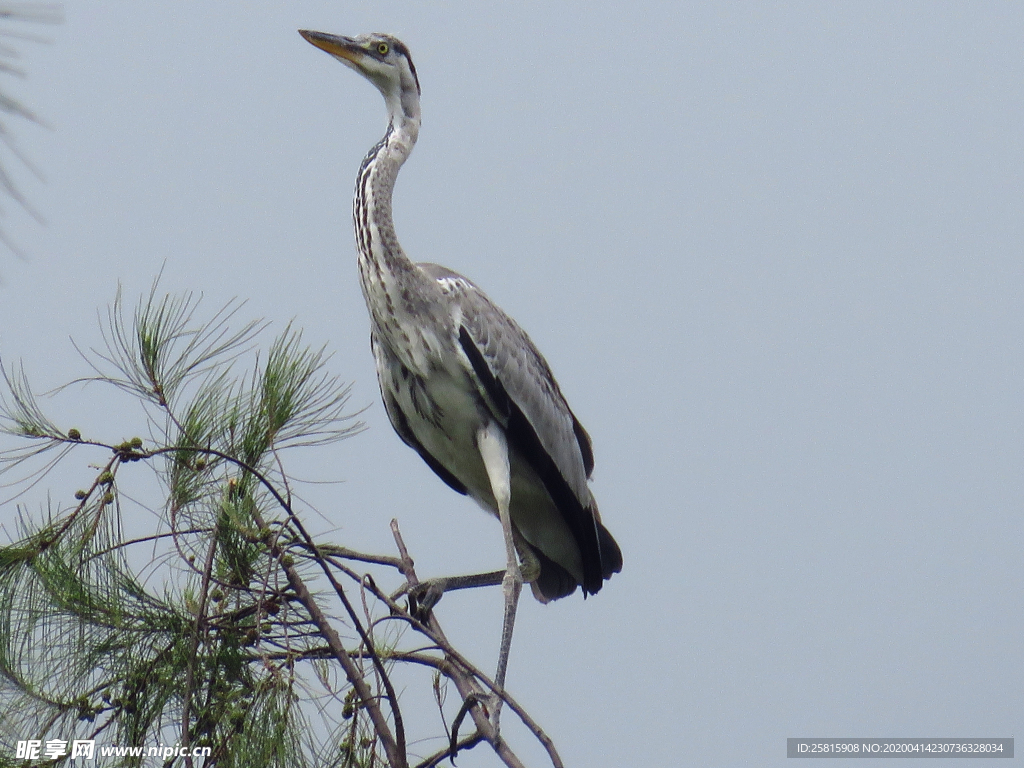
<point>424,596</point>
<point>529,563</point>
<point>512,582</point>
<point>529,569</point>
<point>488,702</point>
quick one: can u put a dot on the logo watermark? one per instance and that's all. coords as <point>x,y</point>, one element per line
<point>52,749</point>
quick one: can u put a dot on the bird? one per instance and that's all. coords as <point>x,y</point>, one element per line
<point>462,383</point>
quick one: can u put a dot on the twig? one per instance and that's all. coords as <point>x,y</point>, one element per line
<point>394,745</point>
<point>456,668</point>
<point>437,757</point>
<point>474,686</point>
<point>395,754</point>
<point>190,669</point>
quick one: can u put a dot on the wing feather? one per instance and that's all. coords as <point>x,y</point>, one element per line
<point>520,387</point>
<point>514,361</point>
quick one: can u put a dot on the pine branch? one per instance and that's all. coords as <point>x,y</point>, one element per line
<point>245,623</point>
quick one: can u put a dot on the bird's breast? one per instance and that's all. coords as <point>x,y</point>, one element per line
<point>445,412</point>
<point>409,316</point>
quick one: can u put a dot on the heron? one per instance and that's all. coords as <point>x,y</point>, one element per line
<point>462,383</point>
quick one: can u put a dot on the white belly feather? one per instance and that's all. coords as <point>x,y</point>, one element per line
<point>448,432</point>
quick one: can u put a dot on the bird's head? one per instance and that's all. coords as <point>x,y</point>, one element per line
<point>384,61</point>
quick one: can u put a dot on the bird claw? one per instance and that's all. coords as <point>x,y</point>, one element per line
<point>423,597</point>
<point>488,702</point>
<point>529,570</point>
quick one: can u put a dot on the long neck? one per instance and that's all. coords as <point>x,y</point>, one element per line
<point>392,285</point>
<point>379,250</point>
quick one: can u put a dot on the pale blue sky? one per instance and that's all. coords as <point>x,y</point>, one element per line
<point>772,252</point>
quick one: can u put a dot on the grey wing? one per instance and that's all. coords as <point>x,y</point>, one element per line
<point>518,368</point>
<point>539,424</point>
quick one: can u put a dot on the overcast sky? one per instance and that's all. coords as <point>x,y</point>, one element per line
<point>772,253</point>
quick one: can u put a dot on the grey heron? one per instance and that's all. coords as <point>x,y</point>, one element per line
<point>462,383</point>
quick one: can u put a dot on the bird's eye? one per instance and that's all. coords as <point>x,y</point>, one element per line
<point>382,49</point>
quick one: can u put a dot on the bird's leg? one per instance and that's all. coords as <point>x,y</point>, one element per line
<point>428,593</point>
<point>494,452</point>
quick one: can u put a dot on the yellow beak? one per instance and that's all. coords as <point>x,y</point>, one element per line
<point>336,45</point>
